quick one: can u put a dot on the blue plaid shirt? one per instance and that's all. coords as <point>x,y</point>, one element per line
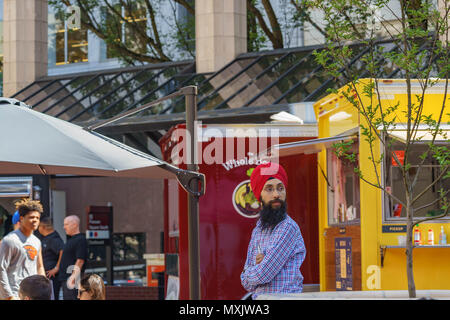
<point>284,252</point>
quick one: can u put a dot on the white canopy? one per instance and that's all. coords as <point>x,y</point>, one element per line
<point>35,143</point>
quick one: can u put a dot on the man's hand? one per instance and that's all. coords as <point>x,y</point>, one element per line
<point>259,258</point>
<point>52,272</point>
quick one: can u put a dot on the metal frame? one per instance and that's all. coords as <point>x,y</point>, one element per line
<point>63,86</point>
<point>109,93</point>
<point>24,89</point>
<point>109,107</point>
<point>273,83</point>
<point>186,66</point>
<point>303,80</point>
<point>41,89</point>
<point>155,90</point>
<point>185,82</point>
<point>211,94</point>
<point>422,48</point>
<point>89,93</point>
<point>310,75</point>
<point>201,84</point>
<point>128,69</point>
<point>71,93</point>
<point>259,75</point>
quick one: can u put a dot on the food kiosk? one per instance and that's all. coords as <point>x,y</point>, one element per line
<point>228,210</point>
<point>362,232</point>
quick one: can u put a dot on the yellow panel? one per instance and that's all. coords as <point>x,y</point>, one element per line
<point>431,269</point>
<point>431,266</point>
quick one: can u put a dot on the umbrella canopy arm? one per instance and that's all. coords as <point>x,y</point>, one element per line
<point>133,111</point>
<point>186,178</point>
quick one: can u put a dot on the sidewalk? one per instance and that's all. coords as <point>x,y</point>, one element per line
<point>359,295</point>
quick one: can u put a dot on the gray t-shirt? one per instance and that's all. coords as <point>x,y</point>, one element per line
<point>18,260</point>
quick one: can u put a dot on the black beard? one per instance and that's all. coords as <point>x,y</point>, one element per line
<point>271,217</point>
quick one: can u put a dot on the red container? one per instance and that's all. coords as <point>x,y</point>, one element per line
<point>225,226</point>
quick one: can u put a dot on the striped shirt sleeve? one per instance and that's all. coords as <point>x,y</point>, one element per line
<point>277,254</point>
<point>248,263</point>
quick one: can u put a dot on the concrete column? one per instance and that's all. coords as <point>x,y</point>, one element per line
<point>24,43</point>
<point>220,32</point>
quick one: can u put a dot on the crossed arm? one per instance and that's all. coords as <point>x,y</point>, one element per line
<point>276,256</point>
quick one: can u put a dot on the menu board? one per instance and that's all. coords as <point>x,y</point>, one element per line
<point>343,254</point>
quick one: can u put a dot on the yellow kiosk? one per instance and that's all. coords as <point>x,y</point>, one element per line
<point>362,233</point>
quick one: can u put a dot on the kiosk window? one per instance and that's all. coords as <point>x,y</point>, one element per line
<point>428,204</point>
<point>128,255</point>
<point>343,192</point>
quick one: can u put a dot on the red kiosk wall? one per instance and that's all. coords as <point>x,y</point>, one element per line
<point>225,233</point>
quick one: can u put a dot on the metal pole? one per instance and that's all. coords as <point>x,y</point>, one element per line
<point>109,265</point>
<point>193,212</point>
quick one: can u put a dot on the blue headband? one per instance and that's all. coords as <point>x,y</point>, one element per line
<point>16,217</point>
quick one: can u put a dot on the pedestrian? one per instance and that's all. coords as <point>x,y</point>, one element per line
<point>16,220</point>
<point>4,222</point>
<point>73,260</point>
<point>52,249</point>
<point>276,249</point>
<point>92,287</point>
<point>20,251</point>
<point>35,287</point>
<point>11,223</point>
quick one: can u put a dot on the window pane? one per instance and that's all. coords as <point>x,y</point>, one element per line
<point>132,32</point>
<point>77,46</point>
<point>136,28</point>
<point>60,34</point>
<point>343,194</point>
<point>128,255</point>
<point>429,204</point>
<point>70,45</point>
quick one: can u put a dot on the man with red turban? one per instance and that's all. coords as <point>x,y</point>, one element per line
<point>276,250</point>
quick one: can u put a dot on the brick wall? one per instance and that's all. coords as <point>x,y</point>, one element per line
<point>131,293</point>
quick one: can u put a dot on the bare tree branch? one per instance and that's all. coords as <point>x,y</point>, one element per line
<point>187,5</point>
<point>430,185</point>
<point>305,15</point>
<point>432,218</point>
<point>276,43</point>
<point>432,203</point>
<point>274,24</point>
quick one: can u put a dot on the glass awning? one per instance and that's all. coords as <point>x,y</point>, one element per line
<point>252,79</point>
<point>256,81</point>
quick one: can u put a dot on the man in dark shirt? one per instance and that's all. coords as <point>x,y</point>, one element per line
<point>52,249</point>
<point>73,260</point>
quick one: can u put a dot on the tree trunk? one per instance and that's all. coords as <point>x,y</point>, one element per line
<point>409,252</point>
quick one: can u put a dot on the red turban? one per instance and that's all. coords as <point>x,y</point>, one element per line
<point>262,173</point>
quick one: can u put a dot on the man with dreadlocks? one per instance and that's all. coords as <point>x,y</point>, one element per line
<point>276,250</point>
<point>20,251</point>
